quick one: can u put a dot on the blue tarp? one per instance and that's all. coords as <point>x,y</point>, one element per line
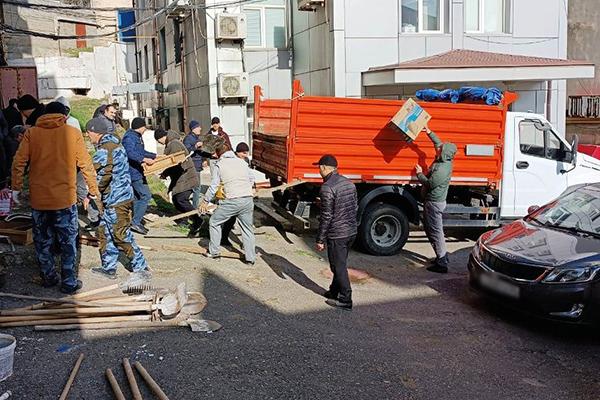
<point>491,96</point>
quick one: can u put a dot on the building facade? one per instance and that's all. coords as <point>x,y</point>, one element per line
<point>330,46</point>
<point>88,66</point>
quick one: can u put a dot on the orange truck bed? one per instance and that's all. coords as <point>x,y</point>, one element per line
<point>290,135</point>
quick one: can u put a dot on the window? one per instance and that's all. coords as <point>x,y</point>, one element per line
<point>265,22</point>
<point>487,16</point>
<point>540,143</point>
<point>146,72</point>
<point>423,16</point>
<point>177,40</point>
<point>154,51</point>
<point>163,49</point>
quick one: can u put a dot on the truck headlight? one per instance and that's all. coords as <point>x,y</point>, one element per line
<point>571,275</point>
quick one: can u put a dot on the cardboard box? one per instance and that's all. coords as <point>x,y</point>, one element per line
<point>163,162</point>
<point>411,119</point>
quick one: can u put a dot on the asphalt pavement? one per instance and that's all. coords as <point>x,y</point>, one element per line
<point>412,334</point>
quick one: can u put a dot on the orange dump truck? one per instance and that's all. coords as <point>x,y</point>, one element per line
<point>505,163</point>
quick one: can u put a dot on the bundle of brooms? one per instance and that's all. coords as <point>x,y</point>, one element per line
<point>111,307</point>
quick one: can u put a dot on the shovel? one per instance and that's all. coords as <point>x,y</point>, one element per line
<point>196,325</point>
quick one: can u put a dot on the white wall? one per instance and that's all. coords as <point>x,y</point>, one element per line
<point>355,36</point>
<point>97,71</point>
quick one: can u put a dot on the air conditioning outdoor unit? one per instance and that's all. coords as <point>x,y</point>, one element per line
<point>310,5</point>
<point>233,85</point>
<point>178,8</point>
<point>230,26</point>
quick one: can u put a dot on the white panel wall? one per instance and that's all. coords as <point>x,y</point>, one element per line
<point>537,18</point>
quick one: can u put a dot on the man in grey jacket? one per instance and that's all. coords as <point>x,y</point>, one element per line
<point>435,189</point>
<point>237,179</point>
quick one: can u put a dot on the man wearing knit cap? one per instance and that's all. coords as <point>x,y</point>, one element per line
<point>217,130</point>
<point>71,121</point>
<point>242,151</point>
<point>114,183</point>
<point>237,180</point>
<point>52,185</point>
<point>137,155</point>
<point>183,176</point>
<point>193,143</point>
<point>30,108</point>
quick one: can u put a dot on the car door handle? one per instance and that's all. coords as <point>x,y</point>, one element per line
<point>522,165</point>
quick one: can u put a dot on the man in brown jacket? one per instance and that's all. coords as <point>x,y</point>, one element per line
<point>54,150</point>
<point>183,176</point>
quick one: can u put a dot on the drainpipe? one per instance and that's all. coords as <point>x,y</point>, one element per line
<point>184,93</point>
<point>549,101</point>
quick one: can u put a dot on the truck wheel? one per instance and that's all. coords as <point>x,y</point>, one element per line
<point>384,230</point>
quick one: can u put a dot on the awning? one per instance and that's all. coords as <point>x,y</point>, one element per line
<point>477,66</point>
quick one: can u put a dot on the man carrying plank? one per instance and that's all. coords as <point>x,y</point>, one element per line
<point>435,188</point>
<point>184,179</point>
<point>114,183</point>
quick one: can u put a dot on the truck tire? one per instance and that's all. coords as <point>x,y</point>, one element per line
<point>383,230</point>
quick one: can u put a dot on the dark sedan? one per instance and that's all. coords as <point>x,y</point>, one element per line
<point>547,263</point>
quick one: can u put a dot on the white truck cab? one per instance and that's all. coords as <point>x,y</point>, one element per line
<point>539,165</point>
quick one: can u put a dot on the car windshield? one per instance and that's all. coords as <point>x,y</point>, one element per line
<point>578,210</point>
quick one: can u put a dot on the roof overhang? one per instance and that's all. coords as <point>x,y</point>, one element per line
<point>400,76</point>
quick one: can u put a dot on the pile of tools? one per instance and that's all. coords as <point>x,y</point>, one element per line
<point>112,307</point>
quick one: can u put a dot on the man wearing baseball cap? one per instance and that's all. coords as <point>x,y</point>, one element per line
<point>116,197</point>
<point>337,228</point>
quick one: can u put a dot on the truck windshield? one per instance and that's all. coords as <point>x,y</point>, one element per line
<point>578,211</point>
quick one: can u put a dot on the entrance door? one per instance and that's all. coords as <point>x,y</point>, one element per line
<point>538,162</point>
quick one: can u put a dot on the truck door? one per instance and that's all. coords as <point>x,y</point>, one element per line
<point>539,158</point>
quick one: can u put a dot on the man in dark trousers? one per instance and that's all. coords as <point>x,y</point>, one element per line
<point>193,143</point>
<point>134,146</point>
<point>435,188</point>
<point>337,229</point>
<point>184,178</point>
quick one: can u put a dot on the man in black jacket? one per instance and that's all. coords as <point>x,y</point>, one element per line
<point>337,229</point>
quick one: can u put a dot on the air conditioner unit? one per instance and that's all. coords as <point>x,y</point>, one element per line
<point>178,8</point>
<point>230,26</point>
<point>233,85</point>
<point>310,5</point>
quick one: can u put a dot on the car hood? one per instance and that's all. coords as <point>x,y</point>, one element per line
<point>532,243</point>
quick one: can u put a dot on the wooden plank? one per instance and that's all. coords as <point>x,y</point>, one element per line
<point>163,162</point>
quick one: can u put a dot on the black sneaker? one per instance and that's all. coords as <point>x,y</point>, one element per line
<point>212,257</point>
<point>51,282</point>
<point>346,306</point>
<point>139,229</point>
<point>329,295</point>
<point>71,290</point>
<point>104,273</point>
<point>250,263</point>
<point>440,269</point>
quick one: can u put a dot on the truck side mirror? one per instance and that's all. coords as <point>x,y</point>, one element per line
<point>574,146</point>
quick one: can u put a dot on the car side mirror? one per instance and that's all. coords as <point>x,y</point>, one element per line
<point>532,209</point>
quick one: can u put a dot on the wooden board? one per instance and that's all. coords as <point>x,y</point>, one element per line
<point>163,162</point>
<point>19,232</point>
